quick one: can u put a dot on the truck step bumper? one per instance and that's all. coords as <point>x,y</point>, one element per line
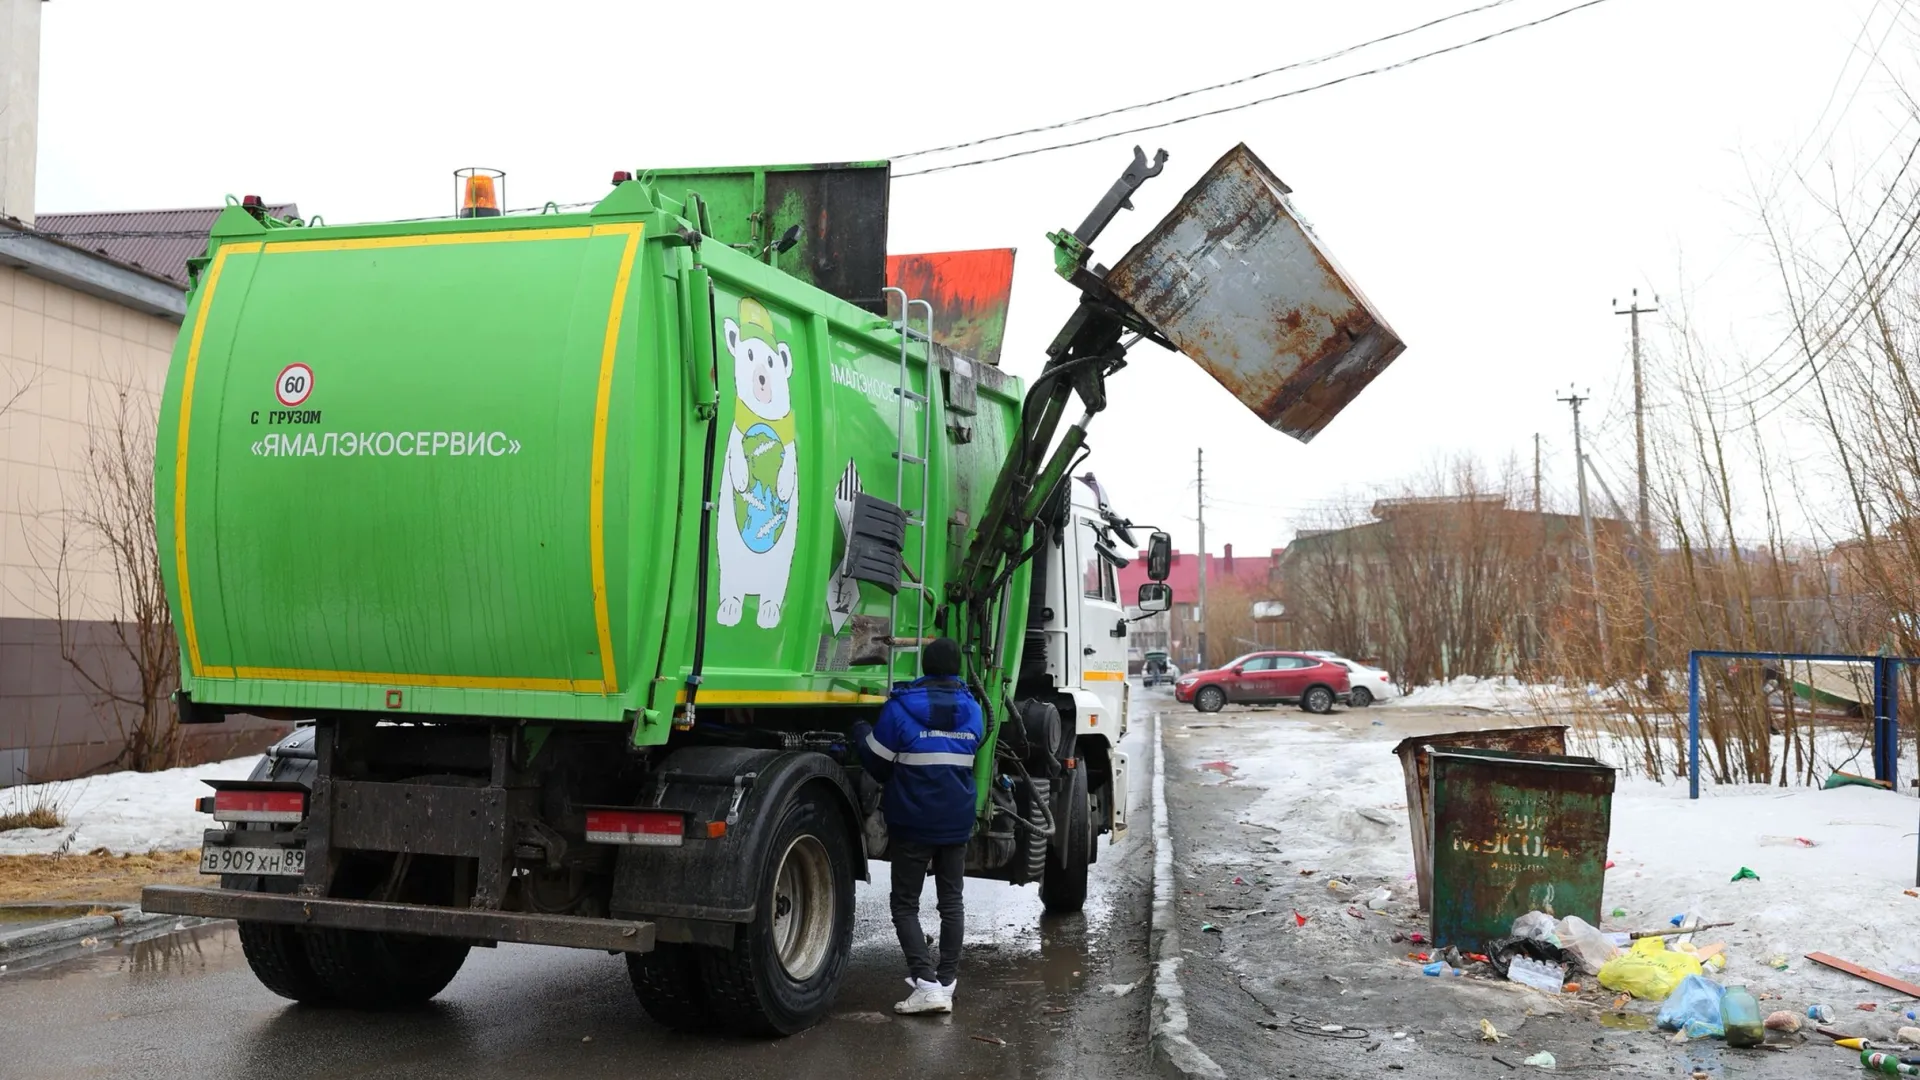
<point>568,931</point>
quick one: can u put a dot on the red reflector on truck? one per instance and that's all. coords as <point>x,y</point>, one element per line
<point>286,807</point>
<point>660,827</point>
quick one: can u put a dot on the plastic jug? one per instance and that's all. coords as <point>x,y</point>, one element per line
<point>1740,1015</point>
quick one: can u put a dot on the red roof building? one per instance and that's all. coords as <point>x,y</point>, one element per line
<point>157,241</point>
<point>1174,631</point>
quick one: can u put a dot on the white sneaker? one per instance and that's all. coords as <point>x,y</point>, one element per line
<point>927,997</point>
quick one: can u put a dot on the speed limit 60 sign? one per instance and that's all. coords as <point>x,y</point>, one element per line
<point>293,385</point>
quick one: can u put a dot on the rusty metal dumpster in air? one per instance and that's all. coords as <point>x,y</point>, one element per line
<point>1514,833</point>
<point>1413,753</point>
<point>1239,282</point>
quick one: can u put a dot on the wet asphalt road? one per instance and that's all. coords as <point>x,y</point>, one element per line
<point>186,1005</point>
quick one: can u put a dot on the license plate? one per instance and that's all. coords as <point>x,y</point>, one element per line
<point>273,861</point>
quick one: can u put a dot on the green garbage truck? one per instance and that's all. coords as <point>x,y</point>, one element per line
<point>576,543</point>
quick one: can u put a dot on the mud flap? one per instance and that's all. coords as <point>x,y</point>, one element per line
<point>732,798</point>
<point>1117,800</point>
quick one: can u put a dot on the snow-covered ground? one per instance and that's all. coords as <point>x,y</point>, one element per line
<point>122,812</point>
<point>1500,694</point>
<point>1338,798</point>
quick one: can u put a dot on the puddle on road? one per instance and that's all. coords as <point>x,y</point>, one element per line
<point>1626,1021</point>
<point>21,915</point>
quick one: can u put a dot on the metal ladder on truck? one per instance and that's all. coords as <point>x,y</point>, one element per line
<point>916,586</point>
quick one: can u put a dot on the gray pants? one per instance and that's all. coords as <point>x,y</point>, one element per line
<point>910,862</point>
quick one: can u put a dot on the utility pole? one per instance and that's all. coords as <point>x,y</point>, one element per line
<point>1536,472</point>
<point>1586,523</point>
<point>1644,548</point>
<point>1633,312</point>
<point>1200,500</point>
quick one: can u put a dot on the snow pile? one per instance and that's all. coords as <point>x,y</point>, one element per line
<point>122,812</point>
<point>1327,793</point>
<point>1500,694</point>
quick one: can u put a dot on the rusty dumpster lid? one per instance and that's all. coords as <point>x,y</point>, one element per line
<point>1240,283</point>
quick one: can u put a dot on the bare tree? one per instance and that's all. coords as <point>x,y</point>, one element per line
<point>118,641</point>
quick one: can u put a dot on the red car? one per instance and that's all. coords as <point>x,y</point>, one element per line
<point>1266,678</point>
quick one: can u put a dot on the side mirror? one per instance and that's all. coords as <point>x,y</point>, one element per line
<point>1239,669</point>
<point>1159,557</point>
<point>1155,597</point>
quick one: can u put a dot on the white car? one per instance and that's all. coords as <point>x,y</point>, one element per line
<point>1369,684</point>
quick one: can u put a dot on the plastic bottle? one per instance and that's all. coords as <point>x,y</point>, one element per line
<point>1740,1015</point>
<point>1440,967</point>
<point>1550,978</point>
<point>1822,1013</point>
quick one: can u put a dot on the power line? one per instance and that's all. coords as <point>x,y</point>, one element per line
<point>1258,101</point>
<point>1296,65</point>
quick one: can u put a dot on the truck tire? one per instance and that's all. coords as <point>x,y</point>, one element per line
<point>667,982</point>
<point>1063,886</point>
<point>278,958</point>
<point>366,969</point>
<point>784,969</point>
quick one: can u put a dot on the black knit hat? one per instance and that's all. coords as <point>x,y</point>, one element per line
<point>941,657</point>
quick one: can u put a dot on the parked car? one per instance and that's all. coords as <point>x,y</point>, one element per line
<point>1370,684</point>
<point>1267,678</point>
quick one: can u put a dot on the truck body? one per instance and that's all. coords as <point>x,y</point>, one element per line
<point>578,543</point>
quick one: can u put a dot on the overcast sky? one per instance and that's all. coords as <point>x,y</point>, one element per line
<point>1491,202</point>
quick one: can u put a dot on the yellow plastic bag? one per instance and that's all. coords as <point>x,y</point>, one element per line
<point>1648,970</point>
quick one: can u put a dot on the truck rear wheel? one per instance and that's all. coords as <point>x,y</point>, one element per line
<point>370,970</point>
<point>1063,887</point>
<point>278,958</point>
<point>784,969</point>
<point>667,982</point>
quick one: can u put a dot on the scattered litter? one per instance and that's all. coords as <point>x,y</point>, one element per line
<point>1822,1013</point>
<point>1545,977</point>
<point>1678,919</point>
<point>1778,961</point>
<point>1356,913</point>
<point>1570,988</point>
<point>1440,967</point>
<point>1787,841</point>
<point>1535,924</point>
<point>1397,937</point>
<point>1888,1064</point>
<point>1911,892</point>
<point>1239,881</point>
<point>994,1040</point>
<point>1910,1035</point>
<point>1378,901</point>
<point>1120,989</point>
<point>1740,1016</point>
<point>1333,1029</point>
<point>1610,864</point>
<point>1693,1008</point>
<point>1851,1044</point>
<point>1541,1060</point>
<point>1308,873</point>
<point>1648,970</point>
<point>1586,944</point>
<point>89,942</point>
<point>1489,1033</point>
<point>586,1038</point>
<point>1619,913</point>
<point>1868,1006</point>
<point>1417,938</point>
<point>1209,928</point>
<point>1299,919</point>
<point>1745,874</point>
<point>1783,1021</point>
<point>1878,978</point>
<point>1056,1010</point>
<point>1621,1002</point>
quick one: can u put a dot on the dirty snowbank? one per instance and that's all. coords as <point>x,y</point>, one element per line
<point>1338,799</point>
<point>122,812</point>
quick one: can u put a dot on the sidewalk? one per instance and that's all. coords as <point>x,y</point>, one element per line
<point>1277,815</point>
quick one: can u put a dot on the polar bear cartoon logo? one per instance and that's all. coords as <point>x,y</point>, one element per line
<point>759,496</point>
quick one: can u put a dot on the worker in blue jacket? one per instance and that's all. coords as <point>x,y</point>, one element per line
<point>923,750</point>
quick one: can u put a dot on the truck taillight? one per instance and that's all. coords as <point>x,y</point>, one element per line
<point>280,807</point>
<point>662,828</point>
